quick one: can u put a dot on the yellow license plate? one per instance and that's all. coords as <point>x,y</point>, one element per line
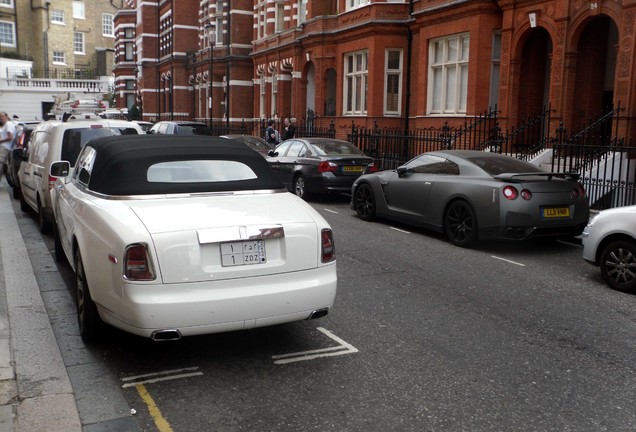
<point>556,212</point>
<point>352,169</point>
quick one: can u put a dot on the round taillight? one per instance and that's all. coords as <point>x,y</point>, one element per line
<point>510,192</point>
<point>578,191</point>
<point>526,194</point>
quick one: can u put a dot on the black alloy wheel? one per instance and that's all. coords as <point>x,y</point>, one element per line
<point>45,225</point>
<point>460,224</point>
<point>59,252</point>
<point>364,202</point>
<point>90,324</point>
<point>618,265</point>
<point>16,192</point>
<point>23,205</point>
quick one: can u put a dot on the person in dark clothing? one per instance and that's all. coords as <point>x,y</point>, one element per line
<point>271,135</point>
<point>290,129</point>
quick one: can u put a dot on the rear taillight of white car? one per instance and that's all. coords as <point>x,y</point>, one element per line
<point>327,247</point>
<point>137,263</point>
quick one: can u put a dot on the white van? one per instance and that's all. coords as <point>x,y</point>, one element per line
<point>53,141</point>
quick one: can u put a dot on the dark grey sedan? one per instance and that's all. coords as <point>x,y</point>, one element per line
<point>471,195</point>
<point>319,165</point>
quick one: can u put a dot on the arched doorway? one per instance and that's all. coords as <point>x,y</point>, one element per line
<point>595,70</point>
<point>534,84</point>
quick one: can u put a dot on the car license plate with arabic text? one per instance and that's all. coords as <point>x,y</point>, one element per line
<point>556,212</point>
<point>352,168</point>
<point>243,253</point>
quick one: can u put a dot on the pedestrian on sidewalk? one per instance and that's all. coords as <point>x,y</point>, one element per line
<point>7,138</point>
<point>290,129</point>
<point>272,136</point>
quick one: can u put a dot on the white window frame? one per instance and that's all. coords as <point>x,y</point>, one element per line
<point>355,81</point>
<point>59,14</point>
<point>448,75</point>
<point>274,93</point>
<point>77,42</point>
<point>261,21</point>
<point>11,30</point>
<point>6,3</point>
<point>79,9</point>
<point>61,57</point>
<point>129,51</point>
<point>279,19</point>
<point>354,4</point>
<point>393,73</point>
<point>263,92</point>
<point>108,25</point>
<point>302,12</point>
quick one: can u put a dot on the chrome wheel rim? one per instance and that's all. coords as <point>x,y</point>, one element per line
<point>299,186</point>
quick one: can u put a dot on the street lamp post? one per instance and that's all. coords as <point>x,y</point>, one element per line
<point>210,27</point>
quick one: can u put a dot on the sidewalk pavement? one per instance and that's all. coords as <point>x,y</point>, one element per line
<point>35,389</point>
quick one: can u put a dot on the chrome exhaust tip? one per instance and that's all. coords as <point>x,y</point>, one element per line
<point>165,335</point>
<point>319,313</point>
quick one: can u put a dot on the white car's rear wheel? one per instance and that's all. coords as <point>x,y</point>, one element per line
<point>90,324</point>
<point>618,265</point>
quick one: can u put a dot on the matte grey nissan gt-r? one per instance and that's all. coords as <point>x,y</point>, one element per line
<point>471,195</point>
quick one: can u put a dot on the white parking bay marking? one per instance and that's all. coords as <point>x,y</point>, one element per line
<point>507,260</point>
<point>341,349</point>
<point>160,376</point>
<point>330,211</point>
<point>400,230</point>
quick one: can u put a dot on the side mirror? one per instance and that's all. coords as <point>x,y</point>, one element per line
<point>402,171</point>
<point>60,169</point>
<point>272,153</point>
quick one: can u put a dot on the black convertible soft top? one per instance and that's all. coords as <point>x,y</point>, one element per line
<point>121,164</point>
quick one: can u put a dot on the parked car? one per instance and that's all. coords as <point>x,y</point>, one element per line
<point>319,165</point>
<point>179,128</point>
<point>52,141</point>
<point>257,144</point>
<point>471,195</point>
<point>144,125</point>
<point>609,242</point>
<point>15,156</point>
<point>188,239</point>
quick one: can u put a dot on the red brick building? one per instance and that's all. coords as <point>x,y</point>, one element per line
<point>401,63</point>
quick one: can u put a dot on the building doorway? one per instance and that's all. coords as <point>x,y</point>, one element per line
<point>595,70</point>
<point>534,84</point>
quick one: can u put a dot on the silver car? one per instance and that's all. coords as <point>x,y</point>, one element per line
<point>471,195</point>
<point>609,242</point>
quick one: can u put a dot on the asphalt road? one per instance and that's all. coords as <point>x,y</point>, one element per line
<point>424,336</point>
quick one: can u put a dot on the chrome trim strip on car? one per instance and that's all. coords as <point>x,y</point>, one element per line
<point>237,233</point>
<point>187,195</point>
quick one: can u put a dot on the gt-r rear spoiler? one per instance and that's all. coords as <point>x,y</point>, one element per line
<point>512,177</point>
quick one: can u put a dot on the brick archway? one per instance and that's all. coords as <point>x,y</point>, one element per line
<point>534,73</point>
